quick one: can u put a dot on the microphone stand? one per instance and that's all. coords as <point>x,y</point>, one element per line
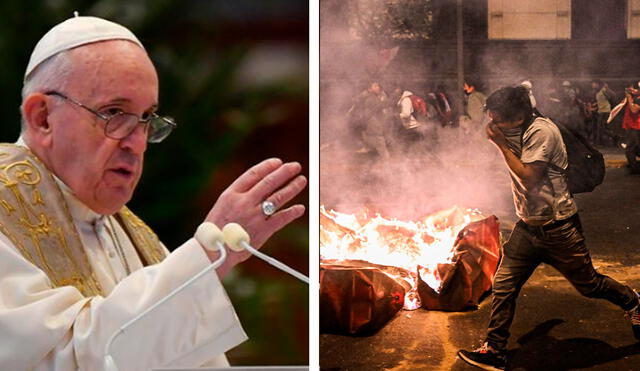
<point>209,236</point>
<point>238,239</point>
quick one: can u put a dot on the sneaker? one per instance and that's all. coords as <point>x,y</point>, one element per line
<point>485,357</point>
<point>634,317</point>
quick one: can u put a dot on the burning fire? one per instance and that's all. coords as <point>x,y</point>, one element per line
<point>426,242</point>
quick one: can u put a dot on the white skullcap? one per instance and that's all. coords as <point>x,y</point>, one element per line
<point>74,32</point>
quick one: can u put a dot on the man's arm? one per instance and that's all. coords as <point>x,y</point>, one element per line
<point>57,328</point>
<point>633,106</point>
<point>528,175</point>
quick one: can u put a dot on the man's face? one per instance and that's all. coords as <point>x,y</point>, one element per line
<point>375,88</point>
<point>468,88</point>
<point>108,77</point>
<point>497,119</point>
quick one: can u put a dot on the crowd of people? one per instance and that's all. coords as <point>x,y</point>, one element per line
<point>388,124</point>
<point>407,119</point>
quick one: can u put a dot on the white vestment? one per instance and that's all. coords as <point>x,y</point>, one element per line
<point>47,328</point>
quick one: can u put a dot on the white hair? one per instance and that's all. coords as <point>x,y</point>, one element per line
<point>52,74</point>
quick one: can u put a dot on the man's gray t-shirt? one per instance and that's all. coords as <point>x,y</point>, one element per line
<point>551,199</point>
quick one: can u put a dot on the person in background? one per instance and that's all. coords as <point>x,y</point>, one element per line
<point>631,125</point>
<point>368,122</point>
<point>445,110</point>
<point>419,121</point>
<point>550,104</point>
<point>570,116</point>
<point>475,100</point>
<point>603,97</point>
<point>374,113</point>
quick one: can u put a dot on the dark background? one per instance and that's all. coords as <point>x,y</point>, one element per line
<point>234,75</point>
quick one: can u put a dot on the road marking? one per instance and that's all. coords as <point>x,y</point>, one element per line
<point>438,325</point>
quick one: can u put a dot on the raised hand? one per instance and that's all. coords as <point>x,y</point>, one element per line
<point>241,202</point>
<point>495,135</point>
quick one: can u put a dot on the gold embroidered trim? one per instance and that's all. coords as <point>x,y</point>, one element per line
<point>146,242</point>
<point>42,230</point>
<point>36,219</point>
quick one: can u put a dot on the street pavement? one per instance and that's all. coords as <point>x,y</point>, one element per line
<point>555,328</point>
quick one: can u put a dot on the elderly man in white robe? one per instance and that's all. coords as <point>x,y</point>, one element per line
<point>75,263</point>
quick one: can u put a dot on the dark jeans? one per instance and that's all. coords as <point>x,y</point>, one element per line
<point>563,248</point>
<point>633,144</point>
<point>601,135</point>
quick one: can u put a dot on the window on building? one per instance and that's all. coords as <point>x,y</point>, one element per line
<point>633,19</point>
<point>526,19</point>
<point>598,19</point>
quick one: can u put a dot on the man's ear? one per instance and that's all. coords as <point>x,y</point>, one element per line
<point>35,110</point>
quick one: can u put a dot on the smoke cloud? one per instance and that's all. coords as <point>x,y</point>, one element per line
<point>462,168</point>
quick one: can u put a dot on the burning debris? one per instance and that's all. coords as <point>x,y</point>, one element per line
<point>444,261</point>
<point>358,300</point>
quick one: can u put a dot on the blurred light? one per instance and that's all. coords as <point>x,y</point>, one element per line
<point>271,63</point>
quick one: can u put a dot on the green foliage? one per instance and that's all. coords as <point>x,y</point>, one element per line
<point>391,19</point>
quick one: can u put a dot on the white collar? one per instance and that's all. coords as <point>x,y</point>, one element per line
<point>79,211</point>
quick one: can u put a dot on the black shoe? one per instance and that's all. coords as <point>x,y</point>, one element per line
<point>634,317</point>
<point>486,358</point>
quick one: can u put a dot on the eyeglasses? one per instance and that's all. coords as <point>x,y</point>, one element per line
<point>119,125</point>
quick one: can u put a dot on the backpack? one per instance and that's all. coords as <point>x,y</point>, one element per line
<point>419,105</point>
<point>586,164</point>
<point>444,109</point>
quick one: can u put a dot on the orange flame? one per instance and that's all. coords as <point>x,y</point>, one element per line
<point>391,242</point>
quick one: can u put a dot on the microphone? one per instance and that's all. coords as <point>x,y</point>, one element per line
<point>211,238</point>
<point>238,239</point>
